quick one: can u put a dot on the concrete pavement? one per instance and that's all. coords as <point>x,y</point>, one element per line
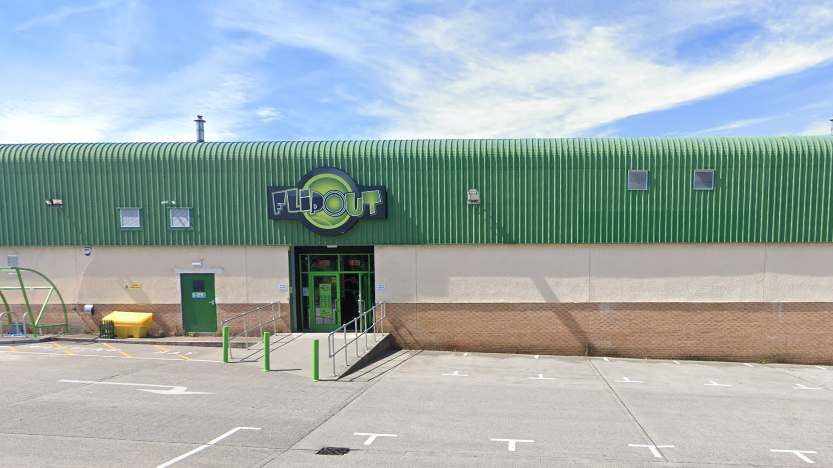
<point>97,407</point>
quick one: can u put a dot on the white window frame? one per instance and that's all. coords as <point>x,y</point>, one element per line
<point>122,219</point>
<point>186,210</point>
<point>647,179</point>
<point>694,179</point>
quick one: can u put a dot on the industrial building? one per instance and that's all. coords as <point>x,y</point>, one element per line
<point>712,248</point>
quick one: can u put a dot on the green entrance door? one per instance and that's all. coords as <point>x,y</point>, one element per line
<point>199,310</point>
<point>325,298</point>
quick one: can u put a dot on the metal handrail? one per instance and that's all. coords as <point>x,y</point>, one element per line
<point>12,322</point>
<point>260,322</point>
<point>363,319</point>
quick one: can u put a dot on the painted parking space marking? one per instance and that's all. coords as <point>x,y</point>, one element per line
<point>56,344</point>
<point>676,362</point>
<point>66,351</point>
<point>798,453</point>
<point>465,354</point>
<point>184,357</point>
<point>512,442</point>
<point>541,377</point>
<point>209,444</point>
<point>103,356</point>
<point>110,346</point>
<point>653,448</point>
<point>163,349</point>
<point>457,374</point>
<point>627,380</point>
<point>822,368</point>
<point>606,359</point>
<point>173,389</point>
<point>536,356</point>
<point>371,436</point>
<point>125,354</point>
<point>802,387</point>
<point>748,365</point>
<point>715,384</point>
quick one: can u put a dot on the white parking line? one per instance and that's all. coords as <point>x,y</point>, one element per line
<point>541,377</point>
<point>455,374</point>
<point>715,384</point>
<point>372,436</point>
<point>676,362</point>
<point>627,380</point>
<point>748,365</point>
<point>802,387</point>
<point>798,453</point>
<point>822,368</point>
<point>512,442</point>
<point>653,448</point>
<point>209,444</point>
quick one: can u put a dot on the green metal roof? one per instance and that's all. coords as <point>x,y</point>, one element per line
<point>534,191</point>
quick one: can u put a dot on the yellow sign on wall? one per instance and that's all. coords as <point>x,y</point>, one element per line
<point>135,286</point>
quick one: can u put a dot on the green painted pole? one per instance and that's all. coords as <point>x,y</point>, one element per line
<point>315,360</point>
<point>266,351</point>
<point>225,344</point>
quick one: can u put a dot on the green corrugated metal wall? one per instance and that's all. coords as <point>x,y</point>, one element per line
<point>768,189</point>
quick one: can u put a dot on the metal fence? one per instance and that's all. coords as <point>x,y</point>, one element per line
<point>249,317</point>
<point>361,325</point>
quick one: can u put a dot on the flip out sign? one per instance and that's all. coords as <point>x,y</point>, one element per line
<point>327,201</point>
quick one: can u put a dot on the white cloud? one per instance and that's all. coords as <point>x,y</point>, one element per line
<point>62,14</point>
<point>268,114</point>
<point>470,73</point>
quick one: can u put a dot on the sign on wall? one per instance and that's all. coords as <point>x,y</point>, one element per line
<point>327,201</point>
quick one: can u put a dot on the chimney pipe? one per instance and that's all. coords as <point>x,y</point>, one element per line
<point>200,129</point>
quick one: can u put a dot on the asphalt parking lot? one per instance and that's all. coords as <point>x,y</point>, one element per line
<point>82,405</point>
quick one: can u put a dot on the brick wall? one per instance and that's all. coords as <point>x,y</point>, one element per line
<point>775,332</point>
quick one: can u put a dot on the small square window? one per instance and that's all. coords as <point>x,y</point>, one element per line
<point>131,218</point>
<point>637,180</point>
<point>704,179</point>
<point>180,218</point>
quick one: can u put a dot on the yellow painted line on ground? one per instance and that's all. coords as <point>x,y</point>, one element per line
<point>124,354</point>
<point>11,348</point>
<point>184,357</point>
<point>68,351</point>
<point>56,344</point>
<point>105,344</point>
<point>163,349</point>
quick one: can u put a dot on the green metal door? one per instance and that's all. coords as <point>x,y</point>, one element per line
<point>325,298</point>
<point>199,310</point>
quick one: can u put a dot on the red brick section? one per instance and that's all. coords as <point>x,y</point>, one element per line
<point>167,318</point>
<point>790,332</point>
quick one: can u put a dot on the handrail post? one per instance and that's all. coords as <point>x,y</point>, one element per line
<point>246,331</point>
<point>274,324</point>
<point>266,350</point>
<point>346,362</point>
<point>315,360</point>
<point>225,344</point>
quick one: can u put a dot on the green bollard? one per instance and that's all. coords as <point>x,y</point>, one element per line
<point>225,344</point>
<point>315,360</point>
<point>265,351</point>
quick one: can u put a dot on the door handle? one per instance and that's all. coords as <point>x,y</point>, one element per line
<point>212,302</point>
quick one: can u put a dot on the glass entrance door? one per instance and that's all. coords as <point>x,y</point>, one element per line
<point>325,300</point>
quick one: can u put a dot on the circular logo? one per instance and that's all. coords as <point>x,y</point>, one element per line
<point>328,187</point>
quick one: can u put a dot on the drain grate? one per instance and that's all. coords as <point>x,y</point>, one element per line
<point>333,451</point>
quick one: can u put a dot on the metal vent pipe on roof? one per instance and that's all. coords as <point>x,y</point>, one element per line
<point>200,129</point>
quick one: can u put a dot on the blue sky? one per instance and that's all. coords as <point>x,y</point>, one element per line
<point>141,70</point>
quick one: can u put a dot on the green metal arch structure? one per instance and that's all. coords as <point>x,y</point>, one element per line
<point>35,323</point>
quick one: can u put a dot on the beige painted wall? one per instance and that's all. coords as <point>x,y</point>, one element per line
<point>242,274</point>
<point>606,273</point>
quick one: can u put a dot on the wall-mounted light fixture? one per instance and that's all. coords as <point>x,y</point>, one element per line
<point>169,202</point>
<point>55,202</point>
<point>196,263</point>
<point>473,197</point>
